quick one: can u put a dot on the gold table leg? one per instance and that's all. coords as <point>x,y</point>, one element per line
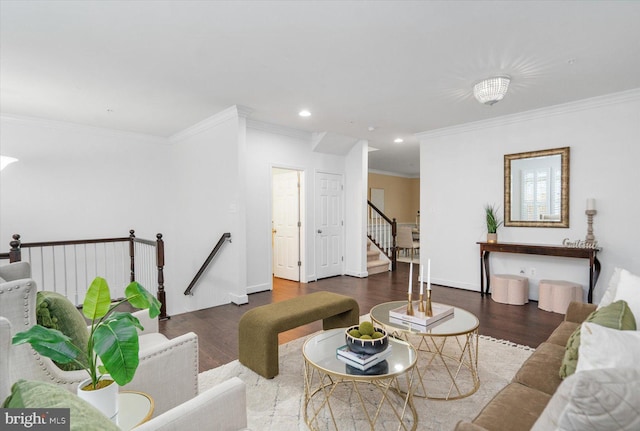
<point>323,393</point>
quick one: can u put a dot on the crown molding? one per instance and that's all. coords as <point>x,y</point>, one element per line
<point>565,108</point>
<point>392,174</point>
<point>280,130</point>
<point>230,113</point>
<point>76,127</point>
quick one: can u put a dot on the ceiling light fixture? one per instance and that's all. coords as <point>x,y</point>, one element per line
<point>6,161</point>
<point>398,140</point>
<point>304,113</point>
<point>491,90</point>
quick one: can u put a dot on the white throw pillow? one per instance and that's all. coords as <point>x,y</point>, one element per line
<point>610,293</point>
<point>602,347</point>
<point>629,290</point>
<point>594,400</point>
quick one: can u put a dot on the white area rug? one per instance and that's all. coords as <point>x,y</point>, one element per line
<point>278,403</point>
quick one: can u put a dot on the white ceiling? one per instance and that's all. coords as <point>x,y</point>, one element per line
<point>403,67</point>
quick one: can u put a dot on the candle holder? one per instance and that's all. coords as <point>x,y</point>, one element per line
<point>428,310</point>
<point>421,304</point>
<point>590,239</point>
<point>409,306</point>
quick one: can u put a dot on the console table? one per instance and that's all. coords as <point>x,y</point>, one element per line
<point>546,250</point>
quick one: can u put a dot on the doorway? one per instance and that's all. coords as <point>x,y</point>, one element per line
<point>286,223</point>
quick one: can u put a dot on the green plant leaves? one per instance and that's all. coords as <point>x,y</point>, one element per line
<point>116,343</point>
<point>50,343</point>
<point>139,297</point>
<point>97,300</point>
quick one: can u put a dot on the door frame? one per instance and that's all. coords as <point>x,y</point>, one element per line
<point>303,217</point>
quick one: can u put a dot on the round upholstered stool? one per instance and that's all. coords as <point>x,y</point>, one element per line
<point>510,289</point>
<point>555,295</point>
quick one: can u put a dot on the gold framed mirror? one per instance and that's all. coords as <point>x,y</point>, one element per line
<point>536,188</point>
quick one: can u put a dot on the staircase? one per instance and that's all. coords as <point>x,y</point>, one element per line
<point>376,263</point>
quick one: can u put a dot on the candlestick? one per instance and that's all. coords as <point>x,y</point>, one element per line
<point>590,239</point>
<point>428,311</point>
<point>409,305</point>
<point>591,204</point>
<point>421,304</point>
<point>421,279</point>
<point>410,277</point>
<point>429,274</point>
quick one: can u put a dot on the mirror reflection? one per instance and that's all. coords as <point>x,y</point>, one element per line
<point>537,188</point>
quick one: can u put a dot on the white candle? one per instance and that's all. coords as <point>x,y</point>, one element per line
<point>410,275</point>
<point>591,204</point>
<point>429,274</point>
<point>421,279</point>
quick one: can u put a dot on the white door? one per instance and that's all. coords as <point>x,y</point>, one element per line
<point>329,225</point>
<point>286,226</point>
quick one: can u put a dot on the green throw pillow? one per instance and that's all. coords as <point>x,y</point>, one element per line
<point>56,311</point>
<point>42,395</point>
<point>616,315</point>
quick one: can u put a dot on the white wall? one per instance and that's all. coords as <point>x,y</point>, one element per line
<point>270,146</point>
<point>206,189</point>
<point>74,182</point>
<point>462,170</point>
<point>357,162</point>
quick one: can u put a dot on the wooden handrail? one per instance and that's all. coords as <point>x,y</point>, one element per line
<point>391,251</point>
<point>225,236</point>
<point>16,246</point>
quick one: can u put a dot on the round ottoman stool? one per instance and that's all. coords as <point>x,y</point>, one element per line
<point>510,289</point>
<point>555,295</point>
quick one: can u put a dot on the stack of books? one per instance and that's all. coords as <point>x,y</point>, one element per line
<point>361,361</point>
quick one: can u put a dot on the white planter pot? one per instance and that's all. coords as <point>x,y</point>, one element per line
<point>104,399</point>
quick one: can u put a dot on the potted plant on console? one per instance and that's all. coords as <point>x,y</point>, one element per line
<point>493,223</point>
<point>113,338</point>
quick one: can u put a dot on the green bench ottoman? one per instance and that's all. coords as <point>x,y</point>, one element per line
<point>259,327</point>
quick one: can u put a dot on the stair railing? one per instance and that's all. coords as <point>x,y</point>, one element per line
<point>382,231</point>
<point>69,266</point>
<point>224,238</point>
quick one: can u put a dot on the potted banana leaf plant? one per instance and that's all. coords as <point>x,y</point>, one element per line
<point>493,223</point>
<point>111,353</point>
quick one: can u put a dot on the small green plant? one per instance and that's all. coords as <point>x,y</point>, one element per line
<point>113,336</point>
<point>493,222</point>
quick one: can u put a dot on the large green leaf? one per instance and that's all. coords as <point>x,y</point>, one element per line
<point>97,300</point>
<point>141,298</point>
<point>116,343</point>
<point>50,343</point>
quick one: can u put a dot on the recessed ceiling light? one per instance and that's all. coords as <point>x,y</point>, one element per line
<point>304,113</point>
<point>371,128</point>
<point>398,140</point>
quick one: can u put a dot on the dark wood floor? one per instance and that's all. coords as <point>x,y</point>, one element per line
<point>217,327</point>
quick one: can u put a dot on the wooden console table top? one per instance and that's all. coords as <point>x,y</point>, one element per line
<point>539,249</point>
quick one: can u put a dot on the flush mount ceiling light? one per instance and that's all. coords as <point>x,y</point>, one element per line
<point>491,90</point>
<point>304,113</point>
<point>6,161</point>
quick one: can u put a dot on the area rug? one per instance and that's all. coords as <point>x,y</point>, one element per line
<point>278,403</point>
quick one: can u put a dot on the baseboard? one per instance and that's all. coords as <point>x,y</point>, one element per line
<point>357,274</point>
<point>239,299</point>
<point>259,288</point>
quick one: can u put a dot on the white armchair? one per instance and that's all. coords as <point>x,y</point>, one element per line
<point>168,369</point>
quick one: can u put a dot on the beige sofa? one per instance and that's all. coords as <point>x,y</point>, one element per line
<point>520,403</point>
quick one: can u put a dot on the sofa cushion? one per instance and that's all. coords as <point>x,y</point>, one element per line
<point>609,294</point>
<point>616,315</point>
<point>515,407</point>
<point>603,347</point>
<point>32,394</point>
<point>57,312</point>
<point>594,400</point>
<point>561,334</point>
<point>540,370</point>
